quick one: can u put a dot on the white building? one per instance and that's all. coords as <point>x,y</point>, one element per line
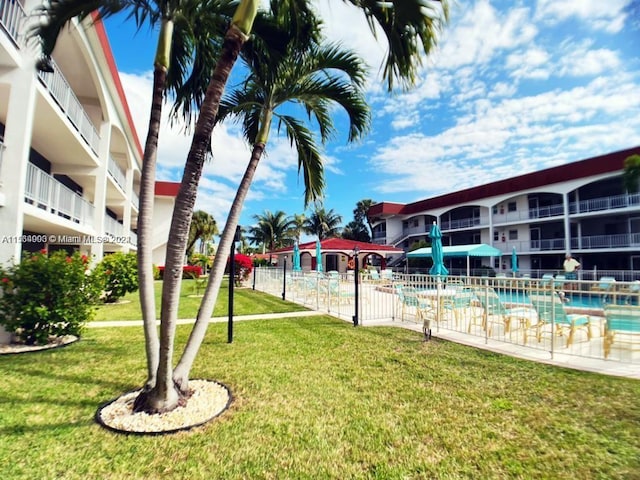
<point>69,154</point>
<point>580,207</point>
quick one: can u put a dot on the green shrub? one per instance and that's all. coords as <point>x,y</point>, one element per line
<point>120,273</point>
<point>47,296</point>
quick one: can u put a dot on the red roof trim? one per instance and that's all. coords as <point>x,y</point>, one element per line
<point>342,245</point>
<point>167,189</point>
<point>610,162</point>
<point>106,48</point>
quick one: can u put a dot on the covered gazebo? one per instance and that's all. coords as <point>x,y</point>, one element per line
<point>475,250</point>
<point>336,254</point>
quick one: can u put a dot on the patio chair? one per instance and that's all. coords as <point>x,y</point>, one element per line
<point>605,284</point>
<point>551,310</point>
<point>622,327</point>
<point>374,276</point>
<point>464,304</point>
<point>631,292</point>
<point>386,275</point>
<point>336,292</point>
<point>494,311</point>
<point>408,298</point>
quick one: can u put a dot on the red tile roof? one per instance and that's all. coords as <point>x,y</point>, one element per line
<point>343,245</point>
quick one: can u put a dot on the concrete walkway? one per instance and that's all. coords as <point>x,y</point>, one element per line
<point>605,367</point>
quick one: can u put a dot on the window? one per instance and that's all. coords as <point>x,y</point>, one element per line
<point>494,210</point>
<point>512,206</point>
<point>513,234</point>
<point>496,236</point>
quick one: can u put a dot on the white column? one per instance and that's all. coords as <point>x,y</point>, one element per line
<point>126,218</point>
<point>17,141</point>
<point>100,198</point>
<point>567,224</point>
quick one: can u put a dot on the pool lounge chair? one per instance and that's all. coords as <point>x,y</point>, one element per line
<point>606,284</point>
<point>408,299</point>
<point>551,310</point>
<point>494,311</point>
<point>622,326</point>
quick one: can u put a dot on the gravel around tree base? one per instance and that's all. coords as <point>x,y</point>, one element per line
<point>208,400</point>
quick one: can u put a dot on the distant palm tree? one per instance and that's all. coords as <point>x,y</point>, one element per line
<point>631,174</point>
<point>203,227</point>
<point>361,211</point>
<point>323,224</point>
<point>297,226</point>
<point>356,231</point>
<point>271,230</point>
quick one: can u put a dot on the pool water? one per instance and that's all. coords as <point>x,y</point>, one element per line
<point>579,300</point>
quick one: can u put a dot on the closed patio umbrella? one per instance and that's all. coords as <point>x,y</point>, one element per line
<point>438,267</point>
<point>318,257</point>
<point>514,261</point>
<point>296,258</point>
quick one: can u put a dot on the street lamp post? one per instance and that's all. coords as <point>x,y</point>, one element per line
<point>356,267</point>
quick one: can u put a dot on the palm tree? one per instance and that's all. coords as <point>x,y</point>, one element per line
<point>317,79</point>
<point>185,55</point>
<point>361,211</point>
<point>356,231</point>
<point>203,227</point>
<point>323,224</point>
<point>271,230</point>
<point>410,28</point>
<point>631,174</point>
<point>297,226</point>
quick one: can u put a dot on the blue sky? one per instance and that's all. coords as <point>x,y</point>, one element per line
<point>513,87</point>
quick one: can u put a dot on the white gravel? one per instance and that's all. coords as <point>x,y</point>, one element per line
<point>209,399</point>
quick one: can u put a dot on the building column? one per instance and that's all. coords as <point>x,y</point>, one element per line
<point>100,196</point>
<point>17,142</point>
<point>126,218</point>
<point>567,223</point>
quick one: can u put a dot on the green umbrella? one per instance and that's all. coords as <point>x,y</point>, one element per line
<point>514,261</point>
<point>438,267</point>
<point>318,257</point>
<point>296,258</point>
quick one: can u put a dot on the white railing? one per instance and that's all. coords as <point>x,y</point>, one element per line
<point>135,200</point>
<point>2,147</point>
<point>47,193</point>
<point>606,203</point>
<point>63,95</point>
<point>464,306</point>
<point>462,223</point>
<point>113,227</point>
<point>116,173</point>
<point>607,241</point>
<point>11,16</point>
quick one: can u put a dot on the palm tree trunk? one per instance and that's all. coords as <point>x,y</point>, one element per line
<point>165,395</point>
<point>181,372</point>
<point>145,228</point>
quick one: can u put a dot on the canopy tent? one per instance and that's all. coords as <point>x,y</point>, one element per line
<point>476,250</point>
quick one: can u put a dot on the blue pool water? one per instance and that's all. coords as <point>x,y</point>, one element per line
<point>584,300</point>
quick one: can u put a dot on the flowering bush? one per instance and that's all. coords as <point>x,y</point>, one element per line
<point>120,273</point>
<point>47,296</point>
<point>188,271</point>
<point>243,267</point>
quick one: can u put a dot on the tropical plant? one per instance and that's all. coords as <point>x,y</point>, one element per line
<point>47,296</point>
<point>203,227</point>
<point>360,213</point>
<point>243,267</point>
<point>323,224</point>
<point>296,228</point>
<point>271,230</point>
<point>631,173</point>
<point>394,19</point>
<point>120,273</point>
<point>356,231</point>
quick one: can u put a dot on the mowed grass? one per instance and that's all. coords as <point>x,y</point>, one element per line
<point>245,302</point>
<point>316,398</point>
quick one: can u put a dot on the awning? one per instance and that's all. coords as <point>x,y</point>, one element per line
<point>476,250</point>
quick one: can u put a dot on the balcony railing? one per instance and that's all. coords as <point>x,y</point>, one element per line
<point>113,227</point>
<point>45,192</point>
<point>11,16</point>
<point>135,200</point>
<point>461,223</point>
<point>605,203</point>
<point>622,240</point>
<point>1,150</point>
<point>116,173</point>
<point>63,95</point>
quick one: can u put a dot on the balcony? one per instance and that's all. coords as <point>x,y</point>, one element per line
<point>529,214</point>
<point>61,92</point>
<point>48,194</point>
<point>607,242</point>
<point>11,16</point>
<point>117,174</point>
<point>606,203</point>
<point>461,223</point>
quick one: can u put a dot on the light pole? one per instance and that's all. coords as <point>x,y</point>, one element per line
<point>356,267</point>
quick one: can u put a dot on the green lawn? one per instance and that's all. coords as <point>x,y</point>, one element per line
<point>245,301</point>
<point>315,398</point>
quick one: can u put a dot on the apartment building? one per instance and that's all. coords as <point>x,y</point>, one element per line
<point>581,207</point>
<point>69,154</point>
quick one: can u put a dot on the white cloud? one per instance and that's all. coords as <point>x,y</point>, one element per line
<point>608,16</point>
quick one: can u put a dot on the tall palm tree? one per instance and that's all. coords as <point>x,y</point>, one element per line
<point>185,55</point>
<point>356,231</point>
<point>317,79</point>
<point>297,226</point>
<point>360,213</point>
<point>323,224</point>
<point>271,230</point>
<point>203,227</point>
